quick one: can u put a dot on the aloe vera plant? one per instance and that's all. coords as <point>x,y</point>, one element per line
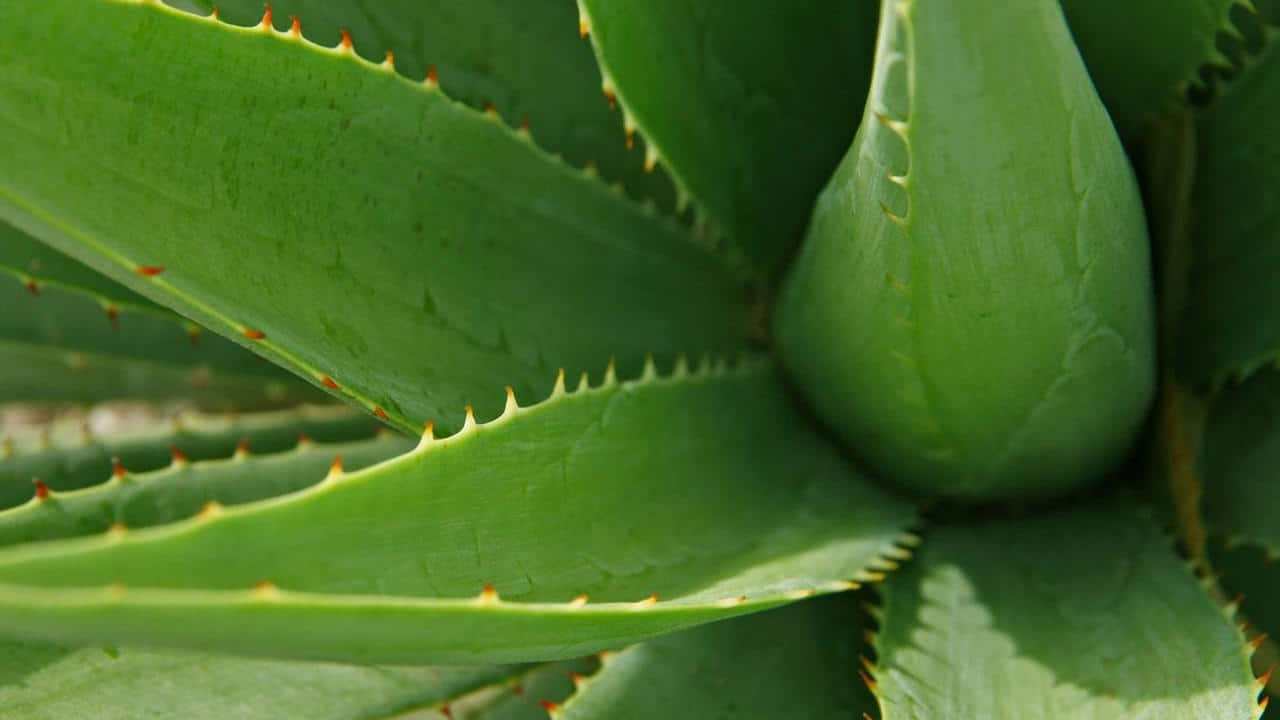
<point>828,358</point>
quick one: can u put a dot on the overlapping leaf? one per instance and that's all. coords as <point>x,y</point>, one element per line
<point>183,489</point>
<point>1144,54</point>
<point>381,240</point>
<point>70,458</point>
<point>523,59</point>
<point>596,519</point>
<point>795,662</point>
<point>749,105</point>
<point>1084,613</point>
<point>1235,248</point>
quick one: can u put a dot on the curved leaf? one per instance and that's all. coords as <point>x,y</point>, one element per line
<point>83,459</point>
<point>1084,613</point>
<point>799,661</point>
<point>749,104</point>
<point>523,59</point>
<point>1145,54</point>
<point>183,489</point>
<point>665,502</point>
<point>1239,457</point>
<point>1235,241</point>
<point>432,254</point>
<point>82,347</point>
<point>43,682</point>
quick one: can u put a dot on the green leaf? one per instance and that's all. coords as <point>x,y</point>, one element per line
<point>1143,55</point>
<point>34,262</point>
<point>796,662</point>
<point>1238,459</point>
<point>77,459</point>
<point>344,221</point>
<point>525,59</point>
<point>183,489</point>
<point>664,502</point>
<point>1250,574</point>
<point>1087,612</point>
<point>1236,235</point>
<point>67,345</point>
<point>748,104</point>
<point>972,309</point>
<point>44,682</point>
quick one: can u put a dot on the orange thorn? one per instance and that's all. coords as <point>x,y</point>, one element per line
<point>524,123</point>
<point>304,439</point>
<point>549,706</point>
<point>631,139</point>
<point>242,447</point>
<point>1265,678</point>
<point>335,467</point>
<point>517,689</point>
<point>216,14</point>
<point>194,334</point>
<point>33,287</point>
<point>1262,706</point>
<point>253,334</point>
<point>328,382</point>
<point>266,17</point>
<point>379,412</point>
<point>150,270</point>
<point>177,455</point>
<point>117,468</point>
<point>345,43</point>
<point>576,679</point>
<point>490,109</point>
<point>584,30</point>
<point>1257,641</point>
<point>612,97</point>
<point>446,711</point>
<point>433,76</point>
<point>295,26</point>
<point>390,59</point>
<point>42,490</point>
<point>113,316</point>
<point>870,681</point>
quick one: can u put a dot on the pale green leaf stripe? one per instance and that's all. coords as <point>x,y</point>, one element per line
<point>525,59</point>
<point>1143,55</point>
<point>1240,462</point>
<point>800,661</point>
<point>1226,330</point>
<point>1084,613</point>
<point>664,503</point>
<point>44,682</point>
<point>183,489</point>
<point>362,226</point>
<point>78,459</point>
<point>749,104</point>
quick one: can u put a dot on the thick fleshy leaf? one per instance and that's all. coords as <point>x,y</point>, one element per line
<point>1085,613</point>
<point>45,682</point>
<point>1236,236</point>
<point>1143,55</point>
<point>1240,462</point>
<point>594,519</point>
<point>748,104</point>
<point>381,240</point>
<point>71,458</point>
<point>183,489</point>
<point>523,59</point>
<point>972,310</point>
<point>799,661</point>
<point>65,344</point>
<point>1250,575</point>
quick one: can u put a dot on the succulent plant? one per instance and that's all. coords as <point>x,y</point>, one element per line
<point>604,359</point>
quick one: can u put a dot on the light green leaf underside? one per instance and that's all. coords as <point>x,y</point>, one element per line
<point>1084,613</point>
<point>413,250</point>
<point>1236,234</point>
<point>749,104</point>
<point>45,682</point>
<point>1144,54</point>
<point>78,342</point>
<point>183,489</point>
<point>1240,462</point>
<point>523,58</point>
<point>800,661</point>
<point>666,502</point>
<point>33,260</point>
<point>73,459</point>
